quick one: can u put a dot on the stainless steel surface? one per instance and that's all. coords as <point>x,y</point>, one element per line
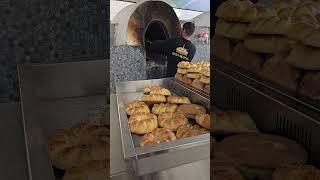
<point>272,112</point>
<point>13,164</point>
<point>58,96</point>
<point>193,89</point>
<point>165,155</point>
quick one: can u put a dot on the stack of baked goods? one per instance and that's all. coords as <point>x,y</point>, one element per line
<point>196,74</point>
<point>159,116</point>
<point>82,151</point>
<point>277,44</point>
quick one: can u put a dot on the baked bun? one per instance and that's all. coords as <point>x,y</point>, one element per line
<point>222,48</point>
<point>206,88</point>
<point>148,89</point>
<point>265,11</point>
<point>163,108</point>
<point>246,59</point>
<point>205,72</point>
<point>171,120</point>
<point>186,80</point>
<point>197,84</point>
<point>296,172</point>
<point>154,98</point>
<point>270,44</point>
<point>203,120</point>
<point>231,30</point>
<point>304,57</point>
<point>182,71</point>
<point>301,29</point>
<point>236,10</point>
<point>143,123</point>
<point>162,91</point>
<point>278,71</point>
<point>178,100</point>
<point>136,107</point>
<point>189,130</point>
<point>204,79</point>
<point>184,64</point>
<point>179,77</point>
<point>193,75</point>
<point>191,110</point>
<point>95,170</point>
<point>196,69</point>
<point>269,26</point>
<point>157,136</point>
<point>309,86</point>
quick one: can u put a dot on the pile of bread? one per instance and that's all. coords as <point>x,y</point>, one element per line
<point>196,74</point>
<point>160,117</point>
<point>82,151</point>
<point>278,43</point>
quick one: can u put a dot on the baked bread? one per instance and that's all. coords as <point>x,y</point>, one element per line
<point>162,91</point>
<point>236,10</point>
<point>231,29</point>
<point>258,155</point>
<point>193,75</point>
<point>270,44</point>
<point>143,123</point>
<point>184,64</point>
<point>206,88</point>
<point>148,89</point>
<point>222,48</point>
<point>186,80</point>
<point>204,79</point>
<point>157,136</point>
<point>182,71</point>
<point>95,170</point>
<point>277,70</point>
<point>189,130</point>
<point>269,26</point>
<point>163,108</point>
<point>265,11</point>
<point>178,100</point>
<point>197,84</point>
<point>296,172</point>
<point>154,98</point>
<point>309,86</point>
<point>203,120</point>
<point>196,69</point>
<point>136,107</point>
<point>178,76</point>
<point>246,59</point>
<point>191,110</point>
<point>172,120</point>
<point>304,57</point>
<point>205,72</point>
<point>301,27</point>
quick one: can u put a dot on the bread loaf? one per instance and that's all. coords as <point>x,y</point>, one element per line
<point>231,29</point>
<point>189,130</point>
<point>142,123</point>
<point>269,44</point>
<point>172,120</point>
<point>222,48</point>
<point>186,79</point>
<point>264,11</point>
<point>236,10</point>
<point>197,84</point>
<point>269,26</point>
<point>191,110</point>
<point>304,57</point>
<point>157,136</point>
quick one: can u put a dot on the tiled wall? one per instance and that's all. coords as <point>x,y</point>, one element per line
<point>45,31</point>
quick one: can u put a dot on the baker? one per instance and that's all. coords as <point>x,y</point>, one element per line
<point>176,49</point>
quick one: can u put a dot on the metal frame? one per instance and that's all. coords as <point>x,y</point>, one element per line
<point>162,156</point>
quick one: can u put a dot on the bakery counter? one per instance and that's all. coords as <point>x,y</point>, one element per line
<point>122,170</point>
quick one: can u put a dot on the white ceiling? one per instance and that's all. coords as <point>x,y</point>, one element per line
<point>116,6</point>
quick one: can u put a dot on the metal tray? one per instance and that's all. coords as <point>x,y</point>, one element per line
<point>150,159</point>
<point>193,89</point>
<point>272,112</point>
<point>55,96</point>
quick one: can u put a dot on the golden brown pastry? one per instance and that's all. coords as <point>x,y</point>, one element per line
<point>246,59</point>
<point>205,72</point>
<point>178,100</point>
<point>277,70</point>
<point>189,130</point>
<point>191,110</point>
<point>148,89</point>
<point>231,30</point>
<point>197,84</point>
<point>136,107</point>
<point>296,172</point>
<point>95,170</point>
<point>182,71</point>
<point>179,77</point>
<point>265,11</point>
<point>222,48</point>
<point>269,26</point>
<point>304,57</point>
<point>193,75</point>
<point>270,44</point>
<point>163,108</point>
<point>172,121</point>
<point>301,27</point>
<point>236,10</point>
<point>162,91</point>
<point>186,80</point>
<point>196,69</point>
<point>154,98</point>
<point>143,123</point>
<point>203,120</point>
<point>157,136</point>
<point>206,88</point>
<point>204,79</point>
<point>309,86</point>
<point>184,64</point>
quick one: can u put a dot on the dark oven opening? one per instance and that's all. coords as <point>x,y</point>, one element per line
<point>156,63</point>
